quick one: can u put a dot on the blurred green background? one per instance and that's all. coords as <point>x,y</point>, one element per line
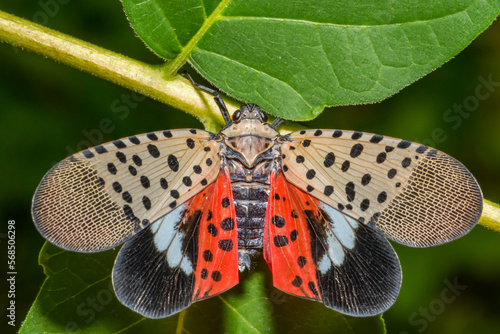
<point>49,111</point>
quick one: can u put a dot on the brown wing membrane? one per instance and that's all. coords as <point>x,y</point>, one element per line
<point>416,195</point>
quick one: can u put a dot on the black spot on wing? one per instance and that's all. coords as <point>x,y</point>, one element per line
<point>345,166</point>
<point>376,139</point>
<point>280,240</point>
<point>121,144</point>
<point>212,229</point>
<point>297,281</point>
<point>356,150</point>
<point>216,276</point>
<point>133,140</point>
<point>173,163</point>
<point>421,149</point>
<point>329,160</point>
<point>88,154</point>
<point>207,255</point>
<point>190,143</point>
<point>227,224</point>
<point>152,136</point>
<point>381,198</point>
<point>404,144</point>
<point>350,192</point>
<point>100,149</point>
<point>381,157</point>
<point>197,169</point>
<point>406,162</point>
<point>365,204</point>
<point>137,160</point>
<point>146,202</point>
<point>145,182</point>
<point>121,157</point>
<point>356,135</point>
<point>117,187</point>
<point>187,181</point>
<point>301,261</point>
<point>365,180</point>
<point>127,197</point>
<point>204,273</point>
<point>310,174</point>
<point>328,190</point>
<point>278,221</point>
<point>153,150</point>
<point>391,173</point>
<point>112,168</point>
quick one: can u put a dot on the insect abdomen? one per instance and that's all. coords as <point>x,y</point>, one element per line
<point>250,200</point>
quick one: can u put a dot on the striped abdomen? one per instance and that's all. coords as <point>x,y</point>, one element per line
<point>250,200</point>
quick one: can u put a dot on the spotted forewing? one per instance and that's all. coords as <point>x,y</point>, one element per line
<point>416,195</point>
<point>98,198</point>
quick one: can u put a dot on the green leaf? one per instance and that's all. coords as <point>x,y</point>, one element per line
<point>78,296</point>
<point>293,58</point>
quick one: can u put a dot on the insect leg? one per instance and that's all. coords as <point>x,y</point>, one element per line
<point>218,99</point>
<point>277,121</point>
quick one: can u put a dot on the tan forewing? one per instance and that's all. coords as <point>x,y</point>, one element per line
<point>97,198</point>
<point>416,195</point>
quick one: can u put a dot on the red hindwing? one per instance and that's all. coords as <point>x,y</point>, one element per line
<point>217,265</point>
<point>287,244</point>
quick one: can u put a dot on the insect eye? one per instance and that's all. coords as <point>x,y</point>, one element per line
<point>237,115</point>
<point>263,116</point>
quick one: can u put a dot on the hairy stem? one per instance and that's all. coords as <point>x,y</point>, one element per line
<point>491,216</point>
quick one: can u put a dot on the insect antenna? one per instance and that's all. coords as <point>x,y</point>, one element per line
<point>277,121</point>
<point>218,99</point>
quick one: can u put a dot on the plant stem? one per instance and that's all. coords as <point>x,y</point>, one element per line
<point>491,216</point>
<point>146,79</point>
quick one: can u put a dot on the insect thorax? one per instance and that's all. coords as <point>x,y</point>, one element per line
<point>249,158</point>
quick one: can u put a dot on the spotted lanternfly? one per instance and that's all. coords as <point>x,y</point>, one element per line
<point>193,207</point>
